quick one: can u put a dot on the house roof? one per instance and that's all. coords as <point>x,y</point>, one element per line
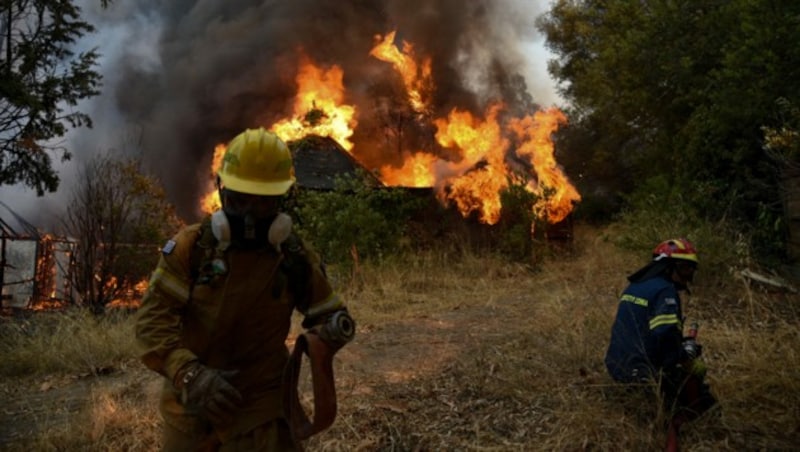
<point>318,161</point>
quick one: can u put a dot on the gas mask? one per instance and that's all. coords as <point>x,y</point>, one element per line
<point>250,221</point>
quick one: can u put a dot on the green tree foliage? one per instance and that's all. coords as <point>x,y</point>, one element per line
<point>42,81</point>
<point>119,216</point>
<point>356,215</point>
<point>647,220</point>
<point>680,91</point>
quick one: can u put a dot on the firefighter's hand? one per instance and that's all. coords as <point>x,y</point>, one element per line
<point>209,392</point>
<point>692,349</point>
<point>697,368</point>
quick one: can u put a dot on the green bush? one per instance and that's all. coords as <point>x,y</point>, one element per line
<point>355,214</point>
<point>517,222</point>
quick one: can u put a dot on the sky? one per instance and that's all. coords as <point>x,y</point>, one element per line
<point>181,75</point>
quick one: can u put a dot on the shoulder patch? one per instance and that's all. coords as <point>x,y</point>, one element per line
<point>168,247</point>
<point>670,301</point>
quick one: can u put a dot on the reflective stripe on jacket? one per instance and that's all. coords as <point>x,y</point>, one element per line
<point>646,335</point>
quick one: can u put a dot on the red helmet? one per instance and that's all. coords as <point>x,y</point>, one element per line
<point>675,249</point>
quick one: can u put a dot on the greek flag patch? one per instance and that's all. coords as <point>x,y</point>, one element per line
<point>168,247</point>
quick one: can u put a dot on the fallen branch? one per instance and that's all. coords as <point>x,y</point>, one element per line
<point>772,281</point>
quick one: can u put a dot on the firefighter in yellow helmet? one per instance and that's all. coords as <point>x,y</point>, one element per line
<point>216,315</point>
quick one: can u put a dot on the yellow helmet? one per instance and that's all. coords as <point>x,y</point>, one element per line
<point>257,162</point>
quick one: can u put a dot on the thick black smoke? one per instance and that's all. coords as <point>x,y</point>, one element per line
<point>225,65</point>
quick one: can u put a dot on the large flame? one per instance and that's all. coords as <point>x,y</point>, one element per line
<point>477,168</point>
<point>533,132</point>
<point>416,78</point>
<point>417,171</point>
<point>474,181</point>
<point>473,187</point>
<point>319,107</point>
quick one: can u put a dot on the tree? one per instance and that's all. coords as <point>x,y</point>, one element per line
<point>680,91</point>
<point>354,215</point>
<point>42,80</point>
<point>119,216</point>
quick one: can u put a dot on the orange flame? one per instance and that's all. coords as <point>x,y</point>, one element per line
<point>479,171</point>
<point>417,171</point>
<point>534,134</point>
<point>210,202</point>
<point>46,270</point>
<point>475,188</point>
<point>475,181</point>
<point>319,107</point>
<point>318,110</point>
<point>417,79</point>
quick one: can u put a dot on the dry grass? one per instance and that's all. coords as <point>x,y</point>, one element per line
<point>71,341</point>
<point>457,351</point>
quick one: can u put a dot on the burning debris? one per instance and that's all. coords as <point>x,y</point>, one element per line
<point>38,271</point>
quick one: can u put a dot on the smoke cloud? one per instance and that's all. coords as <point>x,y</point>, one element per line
<point>182,76</point>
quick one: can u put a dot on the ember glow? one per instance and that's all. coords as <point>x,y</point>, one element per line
<point>129,297</point>
<point>46,269</point>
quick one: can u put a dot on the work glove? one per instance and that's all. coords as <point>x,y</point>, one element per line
<point>692,349</point>
<point>209,392</point>
<point>697,368</point>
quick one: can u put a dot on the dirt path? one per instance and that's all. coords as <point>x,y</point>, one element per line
<point>391,353</point>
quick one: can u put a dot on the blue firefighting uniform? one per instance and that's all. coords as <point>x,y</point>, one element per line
<point>647,333</point>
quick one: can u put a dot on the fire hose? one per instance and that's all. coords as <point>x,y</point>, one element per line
<point>320,350</point>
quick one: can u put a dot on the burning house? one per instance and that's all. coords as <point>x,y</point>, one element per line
<point>35,269</point>
<point>427,96</point>
<point>420,105</point>
<point>464,159</point>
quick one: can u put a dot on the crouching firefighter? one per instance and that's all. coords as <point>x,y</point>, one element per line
<point>218,309</point>
<point>647,342</point>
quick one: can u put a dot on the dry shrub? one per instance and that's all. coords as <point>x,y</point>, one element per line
<point>72,341</point>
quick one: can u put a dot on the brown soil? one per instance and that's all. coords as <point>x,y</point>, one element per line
<point>389,354</point>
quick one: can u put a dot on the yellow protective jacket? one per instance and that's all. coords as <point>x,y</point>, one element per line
<point>230,310</point>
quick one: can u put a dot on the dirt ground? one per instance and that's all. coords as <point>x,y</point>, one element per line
<point>512,363</point>
<point>392,353</point>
